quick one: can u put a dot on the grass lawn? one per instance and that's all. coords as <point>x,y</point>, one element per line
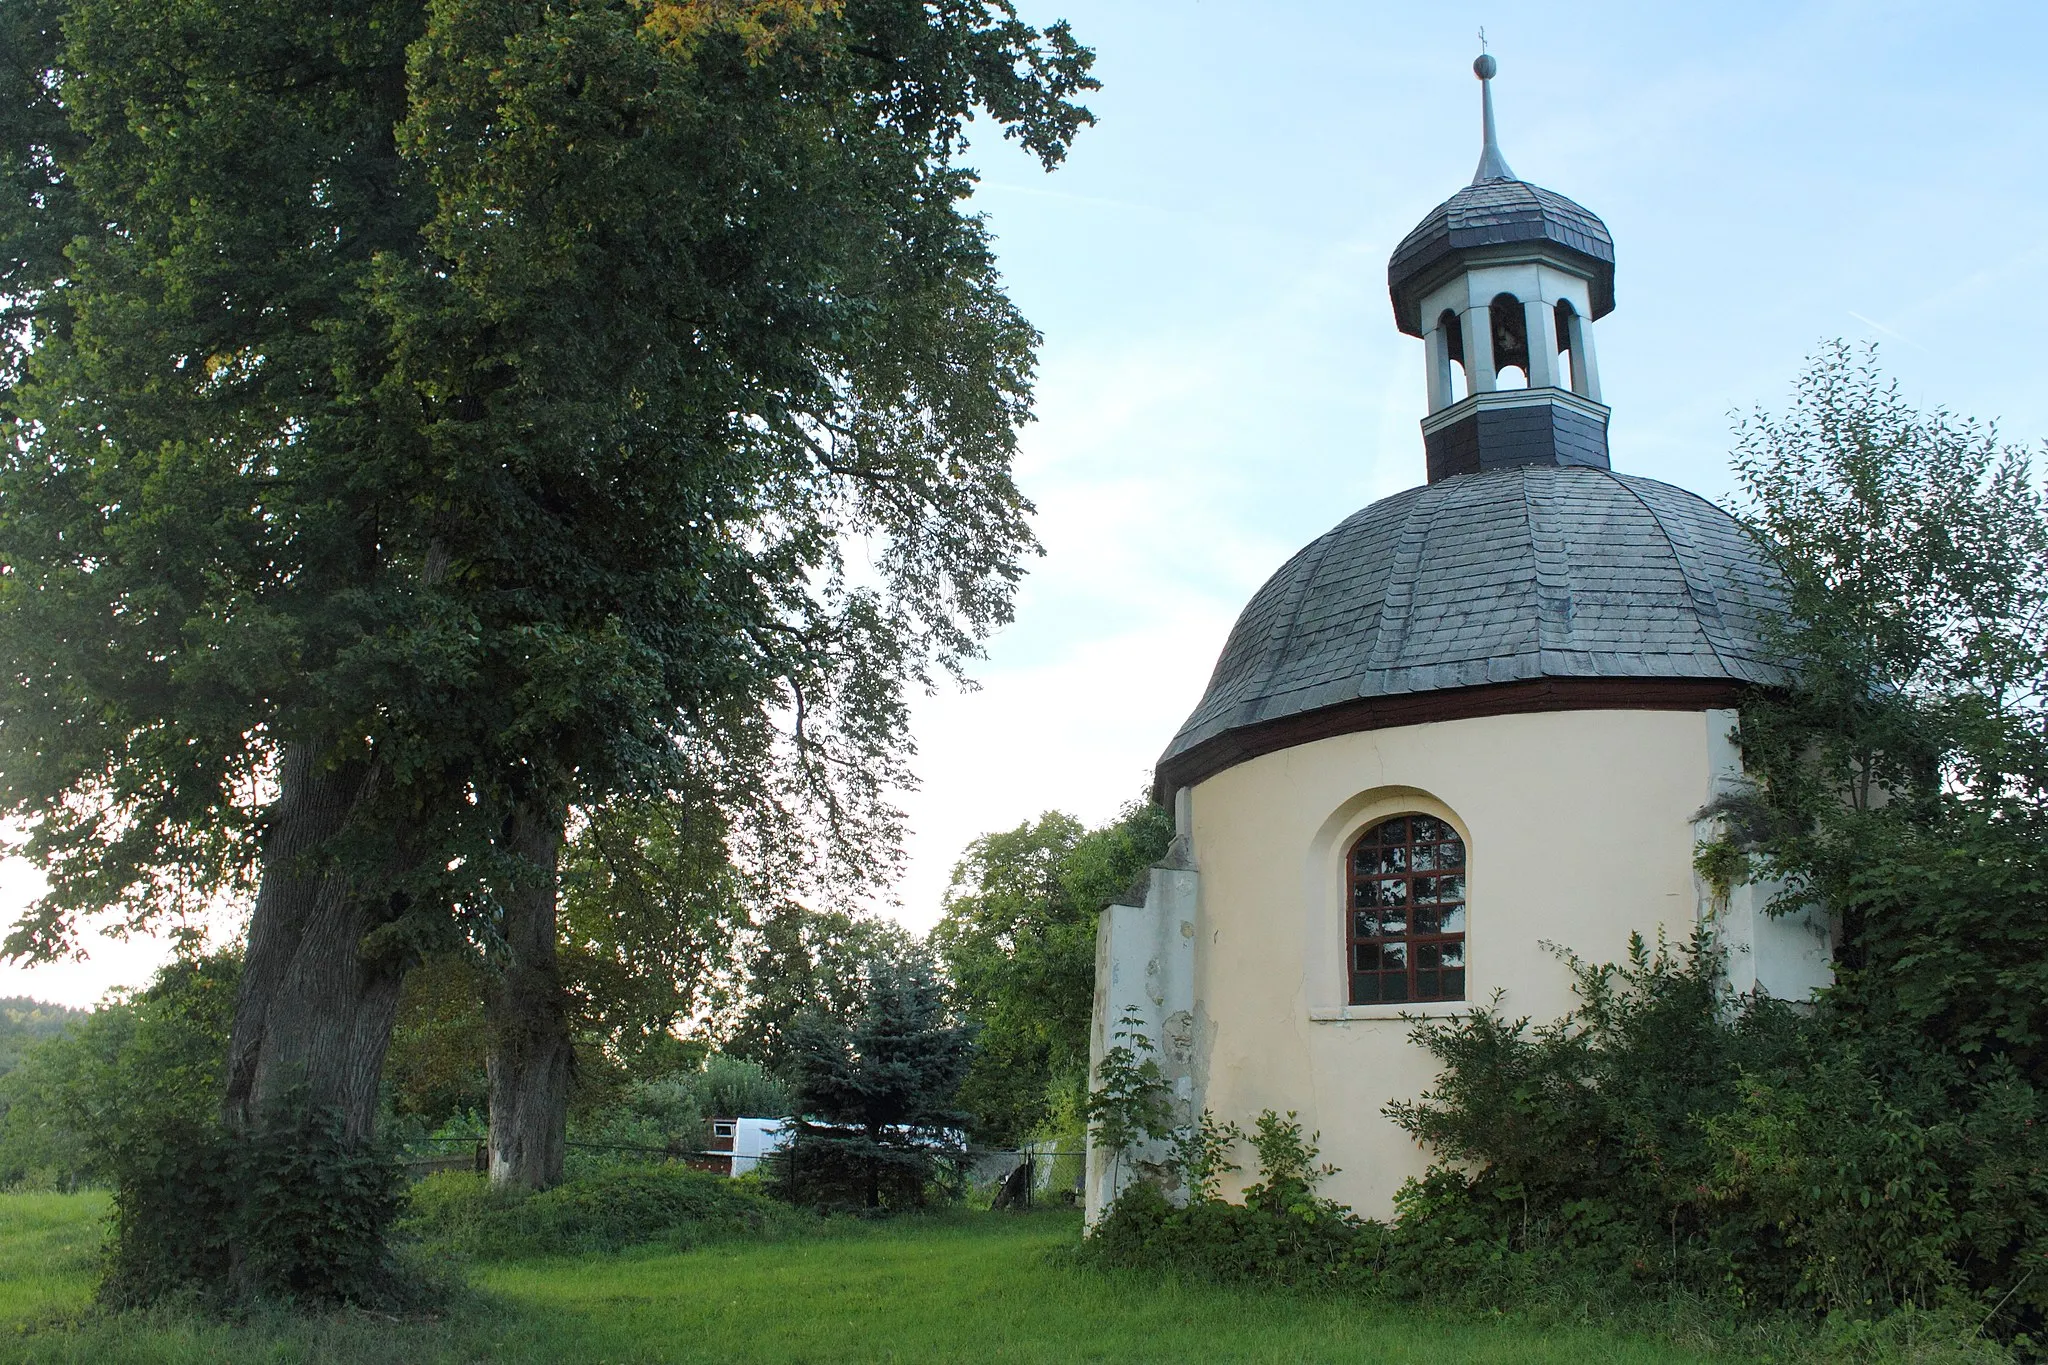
<point>969,1287</point>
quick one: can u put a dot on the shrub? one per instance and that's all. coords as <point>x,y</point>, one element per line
<point>1284,1233</point>
<point>733,1087</point>
<point>1796,1159</point>
<point>1663,1140</point>
<point>129,1069</point>
<point>626,1205</point>
<point>293,1213</point>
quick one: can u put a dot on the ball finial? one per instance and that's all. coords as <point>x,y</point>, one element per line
<point>1484,66</point>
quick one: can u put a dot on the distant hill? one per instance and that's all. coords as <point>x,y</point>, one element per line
<point>25,1022</point>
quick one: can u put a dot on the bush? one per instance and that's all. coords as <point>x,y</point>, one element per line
<point>733,1087</point>
<point>129,1069</point>
<point>1284,1233</point>
<point>626,1205</point>
<point>1795,1159</point>
<point>294,1213</point>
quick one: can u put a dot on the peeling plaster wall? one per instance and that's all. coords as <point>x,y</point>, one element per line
<point>1145,964</point>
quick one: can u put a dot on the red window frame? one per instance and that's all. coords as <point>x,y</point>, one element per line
<point>1404,912</point>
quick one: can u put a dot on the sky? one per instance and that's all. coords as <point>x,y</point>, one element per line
<point>1220,379</point>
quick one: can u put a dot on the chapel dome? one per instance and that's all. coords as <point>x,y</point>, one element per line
<point>1540,572</point>
<point>1499,212</point>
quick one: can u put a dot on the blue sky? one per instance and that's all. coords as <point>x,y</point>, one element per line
<point>1221,380</point>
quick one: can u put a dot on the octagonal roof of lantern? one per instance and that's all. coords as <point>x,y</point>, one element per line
<point>1482,219</point>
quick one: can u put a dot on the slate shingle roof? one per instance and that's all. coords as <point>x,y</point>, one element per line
<point>1535,572</point>
<point>1496,213</point>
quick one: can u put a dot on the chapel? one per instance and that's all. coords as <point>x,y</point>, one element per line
<point>1474,725</point>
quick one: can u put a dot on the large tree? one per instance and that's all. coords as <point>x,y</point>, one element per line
<point>1902,782</point>
<point>424,418</point>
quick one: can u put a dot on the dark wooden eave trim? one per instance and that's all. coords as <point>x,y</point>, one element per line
<point>1232,747</point>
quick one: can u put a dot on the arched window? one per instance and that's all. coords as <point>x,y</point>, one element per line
<point>1510,336</point>
<point>1453,355</point>
<point>1405,931</point>
<point>1574,374</point>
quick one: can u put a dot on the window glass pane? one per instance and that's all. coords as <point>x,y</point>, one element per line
<point>1407,887</point>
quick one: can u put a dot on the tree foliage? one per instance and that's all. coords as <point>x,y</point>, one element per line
<point>802,963</point>
<point>404,373</point>
<point>876,1122</point>
<point>127,1069</point>
<point>655,915</point>
<point>1902,781</point>
<point>1018,940</point>
<point>25,1022</point>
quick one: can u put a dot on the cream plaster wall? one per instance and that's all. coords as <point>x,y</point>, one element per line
<point>1578,831</point>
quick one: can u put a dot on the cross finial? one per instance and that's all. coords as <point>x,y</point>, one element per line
<point>1492,165</point>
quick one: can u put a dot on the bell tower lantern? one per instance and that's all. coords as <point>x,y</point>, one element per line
<point>1503,282</point>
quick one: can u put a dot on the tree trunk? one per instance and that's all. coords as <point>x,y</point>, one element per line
<point>530,1057</point>
<point>313,1013</point>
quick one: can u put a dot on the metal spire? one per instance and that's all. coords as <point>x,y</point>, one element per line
<point>1492,165</point>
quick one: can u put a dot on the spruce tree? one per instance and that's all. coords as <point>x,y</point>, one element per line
<point>876,1120</point>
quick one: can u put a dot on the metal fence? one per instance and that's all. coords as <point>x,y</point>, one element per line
<point>1032,1174</point>
<point>477,1157</point>
<point>1036,1172</point>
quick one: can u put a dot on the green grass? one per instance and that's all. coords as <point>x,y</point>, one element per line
<point>48,1246</point>
<point>977,1287</point>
